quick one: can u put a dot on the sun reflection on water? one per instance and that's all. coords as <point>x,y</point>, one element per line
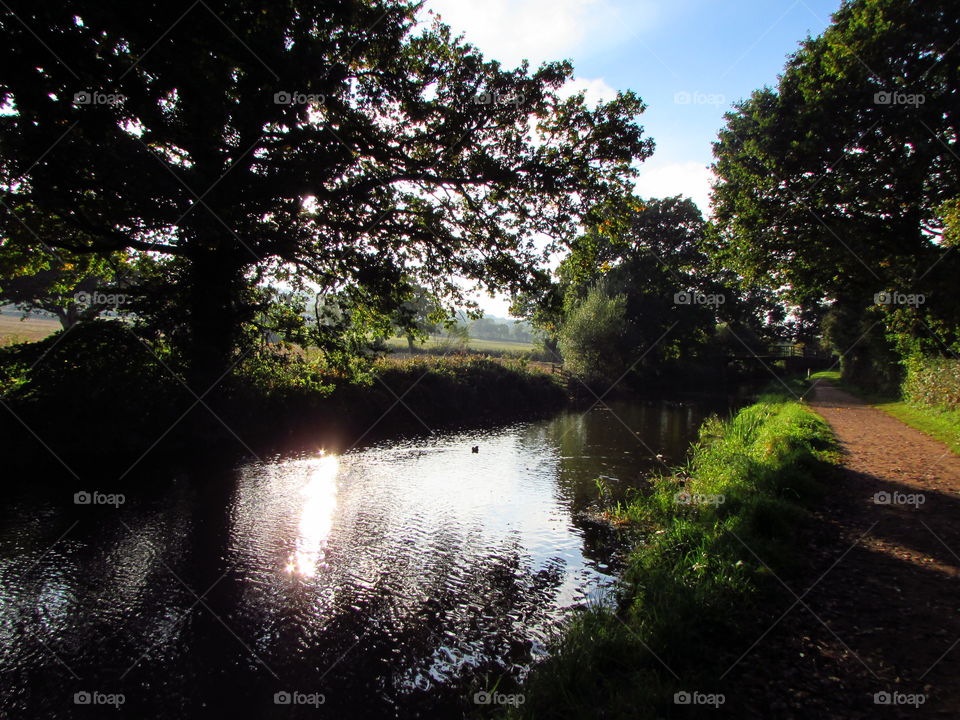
<point>316,517</point>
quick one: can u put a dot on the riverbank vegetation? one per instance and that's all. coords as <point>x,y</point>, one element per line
<point>710,539</point>
<point>259,305</point>
<point>108,398</point>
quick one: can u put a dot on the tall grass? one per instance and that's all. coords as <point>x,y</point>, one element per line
<point>708,540</point>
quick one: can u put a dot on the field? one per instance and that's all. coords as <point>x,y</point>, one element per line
<point>13,330</point>
<point>399,344</point>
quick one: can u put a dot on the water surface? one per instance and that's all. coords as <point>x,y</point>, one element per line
<point>391,581</point>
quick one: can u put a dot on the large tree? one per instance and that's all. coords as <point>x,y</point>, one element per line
<point>835,184</point>
<point>642,267</point>
<point>344,143</point>
<point>73,286</point>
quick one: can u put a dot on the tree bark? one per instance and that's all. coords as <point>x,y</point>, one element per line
<point>216,312</point>
<point>66,318</point>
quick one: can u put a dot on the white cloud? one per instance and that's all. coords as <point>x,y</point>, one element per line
<point>541,30</point>
<point>597,90</point>
<point>691,179</point>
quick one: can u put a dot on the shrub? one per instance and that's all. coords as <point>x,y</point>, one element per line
<point>592,336</point>
<point>933,382</point>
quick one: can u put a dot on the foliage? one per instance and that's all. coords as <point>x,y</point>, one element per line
<point>836,185</point>
<point>868,358</point>
<point>95,393</point>
<point>934,382</point>
<point>592,337</point>
<point>949,214</point>
<point>13,374</point>
<point>72,286</point>
<point>452,388</point>
<point>73,363</point>
<point>419,315</point>
<point>284,368</point>
<point>337,147</point>
<point>690,588</point>
<point>646,264</point>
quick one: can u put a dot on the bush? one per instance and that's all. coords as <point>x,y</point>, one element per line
<point>591,338</point>
<point>934,382</point>
<point>92,392</point>
<point>96,397</point>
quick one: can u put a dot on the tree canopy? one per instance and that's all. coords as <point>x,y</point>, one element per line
<point>840,184</point>
<point>335,145</point>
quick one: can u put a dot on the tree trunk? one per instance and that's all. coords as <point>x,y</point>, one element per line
<point>67,318</point>
<point>216,290</point>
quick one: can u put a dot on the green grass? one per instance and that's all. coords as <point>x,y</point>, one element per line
<point>695,580</point>
<point>938,423</point>
<point>944,425</point>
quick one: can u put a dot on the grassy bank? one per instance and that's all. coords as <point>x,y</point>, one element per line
<point>937,422</point>
<point>687,605</point>
<point>98,398</point>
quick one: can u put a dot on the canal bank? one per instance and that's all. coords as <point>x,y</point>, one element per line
<point>711,539</point>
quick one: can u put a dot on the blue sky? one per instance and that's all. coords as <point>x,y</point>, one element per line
<point>688,60</point>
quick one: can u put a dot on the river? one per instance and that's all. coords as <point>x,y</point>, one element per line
<point>392,580</point>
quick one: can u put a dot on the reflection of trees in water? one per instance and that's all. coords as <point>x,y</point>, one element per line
<point>490,623</point>
<point>472,610</point>
<point>616,444</point>
<point>619,444</point>
<point>91,603</point>
<point>447,607</point>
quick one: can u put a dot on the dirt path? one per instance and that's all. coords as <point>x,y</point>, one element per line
<point>880,592</point>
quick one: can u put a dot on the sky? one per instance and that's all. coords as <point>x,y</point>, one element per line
<point>689,60</point>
